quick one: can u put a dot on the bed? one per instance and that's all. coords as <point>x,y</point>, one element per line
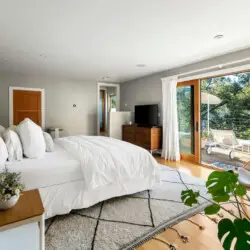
<point>84,170</point>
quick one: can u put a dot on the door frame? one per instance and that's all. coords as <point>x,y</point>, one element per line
<point>11,90</point>
<point>103,84</point>
<point>197,137</point>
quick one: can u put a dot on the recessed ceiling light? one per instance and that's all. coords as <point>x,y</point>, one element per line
<point>140,65</point>
<point>219,36</point>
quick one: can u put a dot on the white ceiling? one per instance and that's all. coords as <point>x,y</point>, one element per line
<point>90,39</point>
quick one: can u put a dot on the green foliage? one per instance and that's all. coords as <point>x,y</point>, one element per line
<point>221,186</point>
<point>234,110</point>
<point>10,184</point>
<point>205,135</point>
<point>212,209</point>
<point>240,190</point>
<point>237,229</point>
<point>189,197</point>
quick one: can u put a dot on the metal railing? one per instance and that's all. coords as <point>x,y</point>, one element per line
<point>241,127</point>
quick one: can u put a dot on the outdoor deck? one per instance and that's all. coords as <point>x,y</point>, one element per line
<point>221,156</point>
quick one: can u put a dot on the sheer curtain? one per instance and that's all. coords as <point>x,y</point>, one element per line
<point>170,150</point>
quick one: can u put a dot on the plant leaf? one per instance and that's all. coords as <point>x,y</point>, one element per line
<point>238,229</point>
<point>221,184</point>
<point>212,209</point>
<point>240,190</point>
<point>189,197</point>
<point>221,198</point>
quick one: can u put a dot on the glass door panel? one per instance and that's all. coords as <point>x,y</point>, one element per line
<point>185,107</point>
<point>188,108</point>
<point>225,121</point>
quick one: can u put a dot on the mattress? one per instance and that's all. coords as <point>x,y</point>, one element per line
<point>54,168</point>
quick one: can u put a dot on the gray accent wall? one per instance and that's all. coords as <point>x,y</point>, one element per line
<point>148,89</point>
<point>60,95</point>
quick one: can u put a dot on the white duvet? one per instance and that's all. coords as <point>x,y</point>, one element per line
<point>106,161</point>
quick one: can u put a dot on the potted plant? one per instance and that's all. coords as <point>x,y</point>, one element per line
<point>224,187</point>
<point>205,137</point>
<point>10,189</point>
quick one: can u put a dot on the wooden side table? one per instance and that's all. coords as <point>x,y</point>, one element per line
<point>19,225</point>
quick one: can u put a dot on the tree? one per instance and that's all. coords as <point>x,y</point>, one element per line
<point>234,110</point>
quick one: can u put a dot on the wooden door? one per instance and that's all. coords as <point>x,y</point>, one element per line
<point>27,104</point>
<point>102,110</point>
<point>188,102</point>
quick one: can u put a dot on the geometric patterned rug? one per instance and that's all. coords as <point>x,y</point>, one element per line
<point>225,166</point>
<point>129,221</point>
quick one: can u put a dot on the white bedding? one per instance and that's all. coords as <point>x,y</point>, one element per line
<point>54,168</point>
<point>84,170</point>
<point>106,161</point>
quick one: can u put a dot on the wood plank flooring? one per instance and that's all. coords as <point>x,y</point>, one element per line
<point>199,239</point>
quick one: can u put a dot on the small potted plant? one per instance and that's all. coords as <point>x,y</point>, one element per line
<point>205,137</point>
<point>10,189</point>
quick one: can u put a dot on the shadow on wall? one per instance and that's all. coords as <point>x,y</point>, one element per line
<point>92,123</point>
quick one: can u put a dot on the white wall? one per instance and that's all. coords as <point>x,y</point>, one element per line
<point>60,95</point>
<point>116,120</point>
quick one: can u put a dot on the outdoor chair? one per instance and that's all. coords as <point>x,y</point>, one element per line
<point>226,139</point>
<point>244,175</point>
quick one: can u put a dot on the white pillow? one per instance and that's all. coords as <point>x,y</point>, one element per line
<point>13,145</point>
<point>3,153</point>
<point>49,142</point>
<point>31,136</point>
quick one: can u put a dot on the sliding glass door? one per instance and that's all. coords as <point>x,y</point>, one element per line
<point>188,98</point>
<point>213,115</point>
<point>225,121</point>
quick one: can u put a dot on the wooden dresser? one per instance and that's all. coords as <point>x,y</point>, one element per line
<point>146,137</point>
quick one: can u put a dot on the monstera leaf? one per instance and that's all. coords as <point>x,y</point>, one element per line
<point>189,197</point>
<point>238,229</point>
<point>212,209</point>
<point>240,190</point>
<point>221,184</point>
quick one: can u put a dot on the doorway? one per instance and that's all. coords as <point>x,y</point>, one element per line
<point>225,122</point>
<point>108,101</point>
<point>102,104</point>
<point>213,116</point>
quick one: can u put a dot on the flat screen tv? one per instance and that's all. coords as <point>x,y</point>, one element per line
<point>146,115</point>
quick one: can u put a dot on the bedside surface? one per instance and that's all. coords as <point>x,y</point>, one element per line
<point>28,206</point>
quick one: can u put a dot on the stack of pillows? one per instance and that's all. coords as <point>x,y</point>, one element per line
<point>26,139</point>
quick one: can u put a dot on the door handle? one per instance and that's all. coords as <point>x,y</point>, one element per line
<point>197,127</point>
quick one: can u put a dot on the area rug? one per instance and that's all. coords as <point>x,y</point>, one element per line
<point>225,166</point>
<point>126,222</point>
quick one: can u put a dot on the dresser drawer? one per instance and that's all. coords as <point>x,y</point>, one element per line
<point>142,138</point>
<point>128,130</point>
<point>143,131</point>
<point>129,138</point>
<point>148,138</point>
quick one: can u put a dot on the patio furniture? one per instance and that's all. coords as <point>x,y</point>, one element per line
<point>244,175</point>
<point>226,139</point>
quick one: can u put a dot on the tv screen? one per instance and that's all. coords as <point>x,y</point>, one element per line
<point>146,115</point>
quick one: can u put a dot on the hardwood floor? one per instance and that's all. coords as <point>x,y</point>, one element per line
<point>198,239</point>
